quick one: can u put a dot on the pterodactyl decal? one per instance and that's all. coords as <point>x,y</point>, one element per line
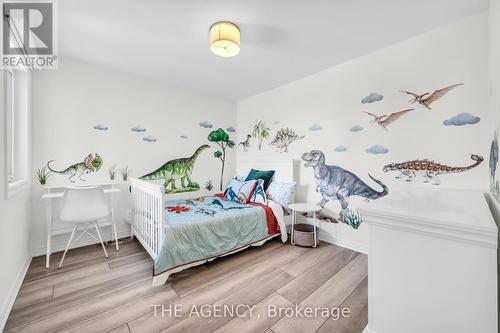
<point>426,101</point>
<point>386,120</point>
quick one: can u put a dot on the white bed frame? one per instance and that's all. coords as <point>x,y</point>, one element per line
<point>147,201</point>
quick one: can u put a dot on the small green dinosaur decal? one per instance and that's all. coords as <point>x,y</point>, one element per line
<point>91,163</point>
<point>180,168</point>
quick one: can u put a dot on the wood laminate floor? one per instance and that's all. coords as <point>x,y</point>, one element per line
<point>94,294</point>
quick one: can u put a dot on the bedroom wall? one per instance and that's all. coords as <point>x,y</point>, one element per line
<point>70,101</point>
<point>494,61</point>
<point>14,233</point>
<point>494,64</point>
<point>325,106</point>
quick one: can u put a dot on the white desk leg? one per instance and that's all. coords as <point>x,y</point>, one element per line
<point>315,230</point>
<point>113,227</point>
<point>294,216</point>
<point>49,233</point>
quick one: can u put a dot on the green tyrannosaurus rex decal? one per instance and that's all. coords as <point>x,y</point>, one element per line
<point>91,163</point>
<point>173,170</point>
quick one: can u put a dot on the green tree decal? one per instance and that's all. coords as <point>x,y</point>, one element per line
<point>221,138</point>
<point>260,131</point>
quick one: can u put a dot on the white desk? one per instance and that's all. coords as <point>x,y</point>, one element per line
<point>56,193</point>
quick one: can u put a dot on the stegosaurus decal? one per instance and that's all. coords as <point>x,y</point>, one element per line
<point>284,137</point>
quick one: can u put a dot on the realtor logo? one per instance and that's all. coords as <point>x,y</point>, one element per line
<point>28,35</point>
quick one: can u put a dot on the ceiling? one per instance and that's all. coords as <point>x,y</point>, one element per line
<point>282,40</point>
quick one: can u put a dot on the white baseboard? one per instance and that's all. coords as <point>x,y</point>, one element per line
<point>84,241</point>
<point>355,246</point>
<point>14,289</point>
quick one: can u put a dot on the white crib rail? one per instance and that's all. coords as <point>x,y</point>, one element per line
<point>147,214</point>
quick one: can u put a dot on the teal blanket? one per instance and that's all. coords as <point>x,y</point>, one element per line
<point>209,227</point>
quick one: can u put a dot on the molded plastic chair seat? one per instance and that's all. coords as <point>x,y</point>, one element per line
<point>86,204</point>
<point>85,207</point>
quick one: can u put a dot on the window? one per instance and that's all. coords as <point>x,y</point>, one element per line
<point>9,119</point>
<point>16,89</point>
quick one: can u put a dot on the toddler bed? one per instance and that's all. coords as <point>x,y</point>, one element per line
<point>183,233</point>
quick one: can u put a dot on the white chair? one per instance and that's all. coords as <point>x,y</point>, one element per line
<point>85,207</point>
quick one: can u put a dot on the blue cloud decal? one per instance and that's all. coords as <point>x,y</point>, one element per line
<point>138,129</point>
<point>101,127</point>
<point>373,97</point>
<point>206,124</point>
<point>184,136</point>
<point>340,148</point>
<point>316,127</point>
<point>461,119</point>
<point>377,149</point>
<point>149,138</point>
<point>356,128</point>
<point>230,129</point>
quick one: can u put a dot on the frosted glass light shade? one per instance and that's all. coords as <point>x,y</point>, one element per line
<point>225,39</point>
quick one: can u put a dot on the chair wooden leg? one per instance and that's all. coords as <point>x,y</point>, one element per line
<point>116,237</point>
<point>100,239</point>
<point>67,245</point>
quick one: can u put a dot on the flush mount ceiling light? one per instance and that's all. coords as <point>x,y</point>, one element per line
<point>225,39</point>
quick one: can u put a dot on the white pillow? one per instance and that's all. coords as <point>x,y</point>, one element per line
<point>282,193</point>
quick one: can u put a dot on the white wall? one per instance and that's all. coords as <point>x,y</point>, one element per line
<point>14,232</point>
<point>68,102</point>
<point>494,71</point>
<point>452,54</point>
<point>494,62</point>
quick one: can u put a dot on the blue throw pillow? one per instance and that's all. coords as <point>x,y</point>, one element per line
<point>240,191</point>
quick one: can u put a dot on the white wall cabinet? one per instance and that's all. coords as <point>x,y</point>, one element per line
<point>432,263</point>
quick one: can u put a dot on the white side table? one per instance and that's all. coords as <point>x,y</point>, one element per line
<point>305,208</point>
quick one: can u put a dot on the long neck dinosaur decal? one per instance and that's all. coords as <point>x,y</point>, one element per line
<point>91,163</point>
<point>199,151</point>
<point>173,170</point>
<point>429,169</point>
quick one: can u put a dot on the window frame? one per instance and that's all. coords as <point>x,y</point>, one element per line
<point>17,115</point>
<point>9,125</point>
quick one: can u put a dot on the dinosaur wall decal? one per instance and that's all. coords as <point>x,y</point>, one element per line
<point>427,101</point>
<point>428,169</point>
<point>334,182</point>
<point>246,143</point>
<point>178,169</point>
<point>386,120</point>
<point>91,163</point>
<point>284,137</point>
<point>493,166</point>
